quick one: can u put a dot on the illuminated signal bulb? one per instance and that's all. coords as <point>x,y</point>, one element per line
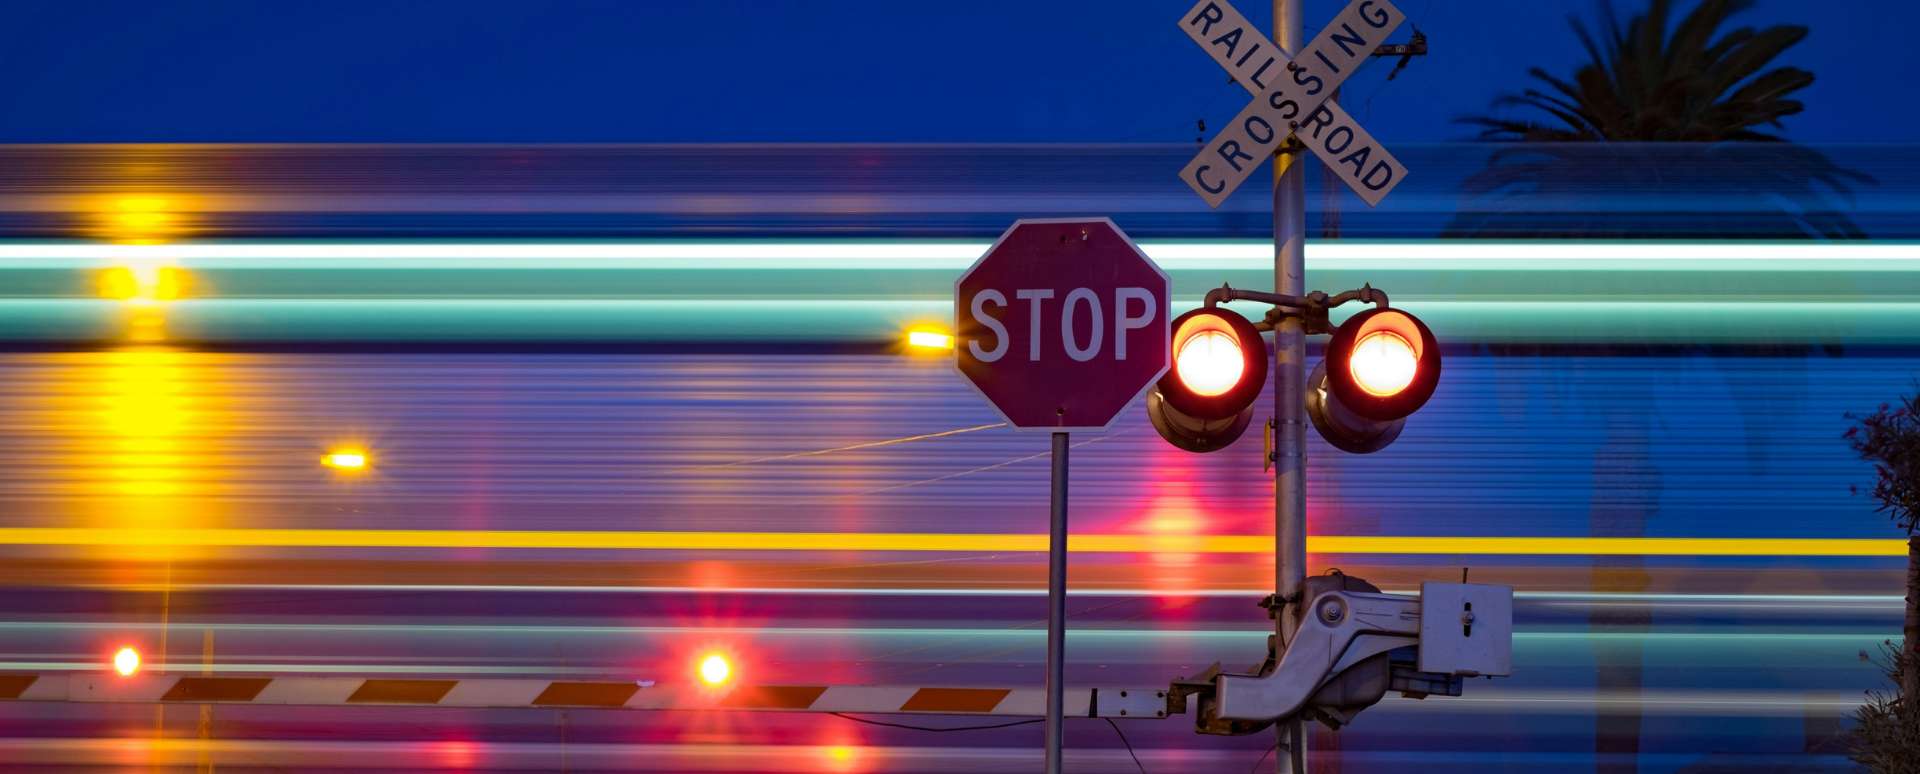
<point>1383,363</point>
<point>1210,363</point>
<point>715,671</point>
<point>126,661</point>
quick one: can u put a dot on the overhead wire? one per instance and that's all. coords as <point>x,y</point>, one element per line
<point>1028,721</point>
<point>886,724</point>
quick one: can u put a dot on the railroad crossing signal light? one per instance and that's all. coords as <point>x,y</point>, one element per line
<point>1205,401</point>
<point>1381,365</point>
<point>715,670</point>
<point>126,661</point>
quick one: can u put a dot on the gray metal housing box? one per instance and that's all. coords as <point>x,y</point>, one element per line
<point>1466,629</point>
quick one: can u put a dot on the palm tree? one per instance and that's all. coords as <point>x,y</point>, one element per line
<point>1653,81</point>
<point>1645,84</point>
<point>1887,731</point>
<point>1670,129</point>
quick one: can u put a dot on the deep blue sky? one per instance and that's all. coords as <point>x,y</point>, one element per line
<point>796,70</point>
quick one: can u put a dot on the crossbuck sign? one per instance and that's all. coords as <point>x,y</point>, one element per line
<point>1292,96</point>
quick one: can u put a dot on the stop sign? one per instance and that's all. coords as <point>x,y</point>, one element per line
<point>1062,323</point>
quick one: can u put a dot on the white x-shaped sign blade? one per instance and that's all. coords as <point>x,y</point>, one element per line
<point>1291,97</point>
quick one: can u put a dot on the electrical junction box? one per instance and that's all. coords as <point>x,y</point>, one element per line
<point>1466,629</point>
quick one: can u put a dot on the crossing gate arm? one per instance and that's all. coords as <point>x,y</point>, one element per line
<point>506,693</point>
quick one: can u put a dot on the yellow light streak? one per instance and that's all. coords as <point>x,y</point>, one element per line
<point>929,339</point>
<point>142,283</point>
<point>939,542</point>
<point>142,219</point>
<point>346,460</point>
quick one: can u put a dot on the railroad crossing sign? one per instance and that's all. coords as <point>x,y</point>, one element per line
<point>1292,96</point>
<point>1062,323</point>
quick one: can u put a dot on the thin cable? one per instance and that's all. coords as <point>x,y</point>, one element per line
<point>857,446</point>
<point>984,468</point>
<point>931,728</point>
<point>1123,740</point>
<point>1116,730</point>
<point>1263,758</point>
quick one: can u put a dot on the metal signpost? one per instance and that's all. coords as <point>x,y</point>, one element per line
<point>1293,88</point>
<point>1061,325</point>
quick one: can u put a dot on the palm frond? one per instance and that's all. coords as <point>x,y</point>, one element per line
<point>1746,59</point>
<point>1660,76</point>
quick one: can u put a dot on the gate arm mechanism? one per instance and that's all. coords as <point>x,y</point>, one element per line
<point>1340,629</point>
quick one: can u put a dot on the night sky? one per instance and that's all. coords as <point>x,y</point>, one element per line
<point>797,70</point>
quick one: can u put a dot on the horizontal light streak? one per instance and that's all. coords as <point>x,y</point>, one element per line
<point>1012,630</point>
<point>941,542</point>
<point>1705,702</point>
<point>193,667</point>
<point>866,290</point>
<point>933,254</point>
<point>1817,601</point>
<point>929,339</point>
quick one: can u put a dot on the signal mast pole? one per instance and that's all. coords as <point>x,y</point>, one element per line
<point>1289,393</point>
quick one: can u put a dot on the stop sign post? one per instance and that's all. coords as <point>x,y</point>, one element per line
<point>1061,325</point>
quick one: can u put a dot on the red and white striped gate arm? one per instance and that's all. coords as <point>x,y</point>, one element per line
<point>539,693</point>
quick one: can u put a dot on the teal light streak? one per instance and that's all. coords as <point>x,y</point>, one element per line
<point>705,291</point>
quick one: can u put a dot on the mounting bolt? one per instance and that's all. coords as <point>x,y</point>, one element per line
<point>1332,610</point>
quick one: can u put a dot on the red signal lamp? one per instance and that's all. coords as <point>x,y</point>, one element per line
<point>1205,401</point>
<point>1382,364</point>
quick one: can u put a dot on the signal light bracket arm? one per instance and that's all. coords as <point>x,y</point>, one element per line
<point>1312,307</point>
<point>1228,293</point>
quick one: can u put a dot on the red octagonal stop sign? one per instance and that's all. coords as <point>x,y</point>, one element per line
<point>1062,323</point>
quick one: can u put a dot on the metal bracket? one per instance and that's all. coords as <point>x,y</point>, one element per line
<point>1311,308</point>
<point>1352,645</point>
<point>1128,703</point>
<point>1292,146</point>
<point>1406,51</point>
<point>1338,629</point>
<point>1272,455</point>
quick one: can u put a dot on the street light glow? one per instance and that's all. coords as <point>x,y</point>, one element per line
<point>345,459</point>
<point>924,338</point>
